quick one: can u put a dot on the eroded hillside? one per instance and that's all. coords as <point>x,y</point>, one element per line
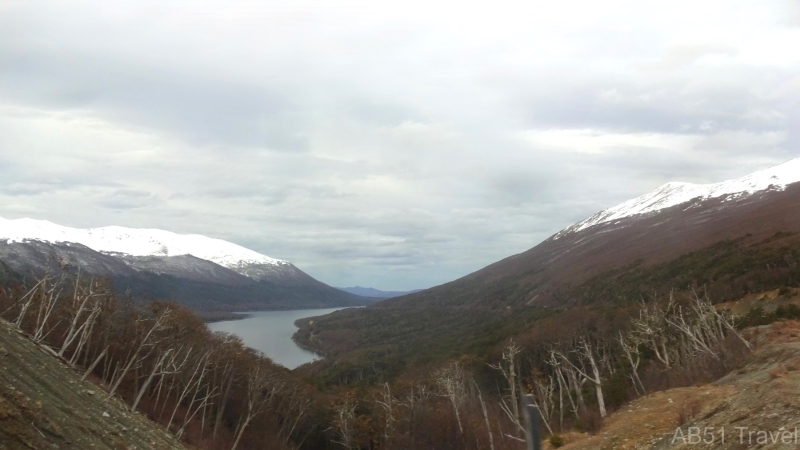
<point>44,404</point>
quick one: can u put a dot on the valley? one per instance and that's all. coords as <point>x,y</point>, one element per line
<point>399,225</point>
<point>676,309</point>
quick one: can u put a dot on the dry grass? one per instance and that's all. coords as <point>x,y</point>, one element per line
<point>762,395</point>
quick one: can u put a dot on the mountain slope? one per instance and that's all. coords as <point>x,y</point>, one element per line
<point>662,239</point>
<point>658,233</point>
<point>201,272</point>
<point>44,404</point>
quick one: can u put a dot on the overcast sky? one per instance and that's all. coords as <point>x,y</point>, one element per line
<point>394,144</point>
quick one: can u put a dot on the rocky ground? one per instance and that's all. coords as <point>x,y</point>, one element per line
<point>45,405</point>
<point>757,406</point>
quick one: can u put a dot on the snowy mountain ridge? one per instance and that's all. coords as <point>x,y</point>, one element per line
<point>676,193</point>
<point>136,242</point>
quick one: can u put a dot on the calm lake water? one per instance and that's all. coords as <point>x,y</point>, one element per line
<point>271,332</point>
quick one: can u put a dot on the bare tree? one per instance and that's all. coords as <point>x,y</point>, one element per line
<point>345,416</point>
<point>563,387</point>
<point>190,385</point>
<point>417,396</point>
<point>510,403</point>
<point>630,348</point>
<point>86,331</point>
<point>259,395</point>
<point>94,364</point>
<point>26,300</point>
<point>700,334</point>
<point>48,297</point>
<point>652,329</point>
<point>227,379</point>
<point>543,397</point>
<point>81,298</point>
<point>586,352</point>
<point>722,321</point>
<point>200,398</point>
<point>485,416</point>
<point>158,323</point>
<point>159,369</point>
<point>450,382</point>
<point>294,408</point>
<point>386,402</point>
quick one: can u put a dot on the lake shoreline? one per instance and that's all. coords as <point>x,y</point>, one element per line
<point>272,333</point>
<point>219,316</point>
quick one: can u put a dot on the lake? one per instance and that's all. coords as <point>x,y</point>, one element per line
<point>271,332</point>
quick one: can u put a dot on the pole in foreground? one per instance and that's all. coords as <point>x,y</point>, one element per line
<point>532,417</point>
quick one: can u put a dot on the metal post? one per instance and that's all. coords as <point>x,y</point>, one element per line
<point>532,417</point>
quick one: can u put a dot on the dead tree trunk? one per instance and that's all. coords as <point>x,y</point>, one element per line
<point>510,403</point>
<point>450,381</point>
<point>258,395</point>
<point>631,352</point>
<point>159,322</point>
<point>485,416</point>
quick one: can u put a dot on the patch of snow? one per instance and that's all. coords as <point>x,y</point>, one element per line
<point>672,194</point>
<point>136,242</point>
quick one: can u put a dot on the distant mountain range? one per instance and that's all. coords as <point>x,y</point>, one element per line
<point>376,293</point>
<point>732,238</point>
<point>201,272</point>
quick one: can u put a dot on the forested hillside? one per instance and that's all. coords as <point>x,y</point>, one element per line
<point>726,248</point>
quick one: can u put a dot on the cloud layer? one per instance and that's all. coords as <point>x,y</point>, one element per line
<point>396,145</point>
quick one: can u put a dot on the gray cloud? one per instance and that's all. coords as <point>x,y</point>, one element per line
<point>398,146</point>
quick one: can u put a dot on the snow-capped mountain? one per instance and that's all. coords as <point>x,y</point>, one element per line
<point>676,193</point>
<point>203,272</point>
<point>674,220</point>
<point>136,242</point>
<point>727,239</point>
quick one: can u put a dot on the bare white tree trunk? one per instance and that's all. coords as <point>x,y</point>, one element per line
<point>387,403</point>
<point>157,325</point>
<point>157,370</point>
<point>297,407</point>
<point>485,416</point>
<point>345,418</point>
<point>595,379</point>
<point>586,351</point>
<point>47,303</point>
<point>258,395</point>
<point>81,304</point>
<point>563,388</point>
<point>94,364</point>
<point>543,399</point>
<point>630,348</point>
<point>27,299</point>
<point>652,329</point>
<point>510,403</point>
<point>450,381</point>
<point>199,372</point>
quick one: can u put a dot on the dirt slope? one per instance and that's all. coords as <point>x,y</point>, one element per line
<point>755,406</point>
<point>45,405</point>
